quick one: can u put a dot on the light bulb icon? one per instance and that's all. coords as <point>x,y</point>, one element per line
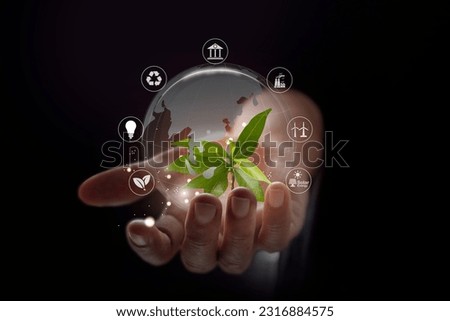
<point>130,126</point>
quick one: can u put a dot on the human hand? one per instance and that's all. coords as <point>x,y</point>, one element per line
<point>213,231</point>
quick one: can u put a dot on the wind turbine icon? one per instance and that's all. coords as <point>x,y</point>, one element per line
<point>303,128</point>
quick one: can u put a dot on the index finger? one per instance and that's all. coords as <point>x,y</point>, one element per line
<point>111,188</point>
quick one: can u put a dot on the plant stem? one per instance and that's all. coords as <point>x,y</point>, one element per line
<point>232,180</point>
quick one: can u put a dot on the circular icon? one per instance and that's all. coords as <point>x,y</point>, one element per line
<point>279,80</point>
<point>153,78</point>
<point>298,180</point>
<point>130,129</point>
<point>299,129</point>
<point>141,182</point>
<point>215,51</point>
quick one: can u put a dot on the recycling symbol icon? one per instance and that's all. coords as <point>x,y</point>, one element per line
<point>154,78</point>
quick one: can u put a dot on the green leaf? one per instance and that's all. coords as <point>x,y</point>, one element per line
<point>197,168</point>
<point>212,155</point>
<point>215,185</point>
<point>231,147</point>
<point>214,148</point>
<point>181,143</point>
<point>245,180</point>
<point>184,166</point>
<point>249,137</point>
<point>252,170</point>
<point>179,165</point>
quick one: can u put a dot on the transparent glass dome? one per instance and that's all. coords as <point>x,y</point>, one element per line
<point>207,102</point>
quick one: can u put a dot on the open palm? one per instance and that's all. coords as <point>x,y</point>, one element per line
<point>214,231</point>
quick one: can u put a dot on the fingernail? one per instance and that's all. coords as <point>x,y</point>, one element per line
<point>204,212</point>
<point>137,239</point>
<point>276,197</point>
<point>240,206</point>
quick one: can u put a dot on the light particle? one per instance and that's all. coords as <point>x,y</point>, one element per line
<point>149,221</point>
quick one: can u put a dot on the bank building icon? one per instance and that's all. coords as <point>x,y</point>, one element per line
<point>215,52</point>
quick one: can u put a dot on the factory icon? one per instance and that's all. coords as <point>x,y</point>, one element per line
<point>280,81</point>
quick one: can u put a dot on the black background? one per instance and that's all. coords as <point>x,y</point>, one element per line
<point>70,72</point>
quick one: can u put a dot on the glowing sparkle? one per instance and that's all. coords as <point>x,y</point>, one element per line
<point>149,221</point>
<point>169,176</point>
<point>169,203</point>
<point>186,201</point>
<point>244,124</point>
<point>188,180</point>
<point>197,193</point>
<point>129,169</point>
<point>184,193</point>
